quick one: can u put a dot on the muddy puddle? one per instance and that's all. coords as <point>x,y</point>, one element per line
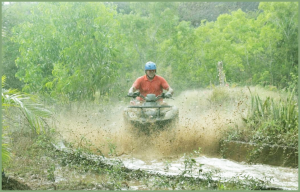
<point>201,125</point>
<point>279,177</point>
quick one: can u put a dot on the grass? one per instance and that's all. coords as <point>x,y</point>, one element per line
<point>269,120</point>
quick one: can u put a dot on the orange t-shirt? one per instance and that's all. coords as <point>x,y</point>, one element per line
<point>154,86</point>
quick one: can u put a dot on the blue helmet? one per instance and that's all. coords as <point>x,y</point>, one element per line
<point>150,66</point>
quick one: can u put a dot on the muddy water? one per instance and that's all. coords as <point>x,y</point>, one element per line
<point>202,122</point>
<point>279,177</point>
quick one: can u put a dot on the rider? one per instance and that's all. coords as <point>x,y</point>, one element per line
<point>150,83</point>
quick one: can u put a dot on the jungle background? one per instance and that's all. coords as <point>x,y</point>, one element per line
<point>60,58</point>
<point>72,51</point>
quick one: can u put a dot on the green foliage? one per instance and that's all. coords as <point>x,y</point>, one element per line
<point>69,52</point>
<point>279,24</point>
<point>33,112</point>
<point>198,11</point>
<point>73,50</point>
<point>269,128</point>
<point>245,182</point>
<point>269,121</point>
<point>273,117</point>
<point>190,162</point>
<point>29,108</point>
<point>12,15</point>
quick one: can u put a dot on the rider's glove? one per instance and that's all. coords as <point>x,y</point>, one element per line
<point>168,95</point>
<point>130,94</point>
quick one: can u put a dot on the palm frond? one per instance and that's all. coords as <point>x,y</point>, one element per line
<point>30,108</point>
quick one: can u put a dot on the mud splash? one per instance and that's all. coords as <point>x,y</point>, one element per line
<point>201,124</point>
<point>202,121</point>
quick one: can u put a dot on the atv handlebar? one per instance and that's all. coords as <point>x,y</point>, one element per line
<point>137,94</point>
<point>134,95</point>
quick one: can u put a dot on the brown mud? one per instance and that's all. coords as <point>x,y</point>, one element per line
<point>201,124</point>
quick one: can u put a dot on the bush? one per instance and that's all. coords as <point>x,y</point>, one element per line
<point>220,95</point>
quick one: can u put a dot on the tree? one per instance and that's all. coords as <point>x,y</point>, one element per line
<point>279,29</point>
<point>12,15</point>
<point>68,49</point>
<point>144,31</point>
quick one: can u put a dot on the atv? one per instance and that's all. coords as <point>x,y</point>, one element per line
<point>151,115</point>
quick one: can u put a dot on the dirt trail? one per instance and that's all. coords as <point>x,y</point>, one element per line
<point>201,125</point>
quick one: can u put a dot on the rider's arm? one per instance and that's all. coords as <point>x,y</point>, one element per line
<point>170,90</point>
<point>166,86</point>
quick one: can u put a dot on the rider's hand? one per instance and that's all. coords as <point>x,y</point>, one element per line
<point>130,94</point>
<point>168,95</point>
